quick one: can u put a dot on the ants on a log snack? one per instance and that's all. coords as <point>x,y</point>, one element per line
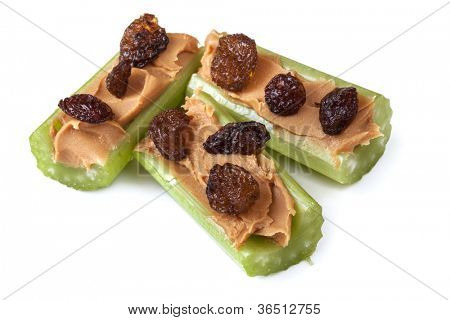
<point>88,144</point>
<point>334,127</point>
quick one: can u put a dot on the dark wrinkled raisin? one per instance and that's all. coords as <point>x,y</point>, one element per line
<point>117,79</point>
<point>86,108</point>
<point>284,94</point>
<point>240,137</point>
<point>231,189</point>
<point>168,132</point>
<point>338,109</point>
<point>143,41</point>
<point>234,62</point>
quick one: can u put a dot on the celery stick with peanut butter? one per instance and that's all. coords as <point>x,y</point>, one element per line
<point>217,170</point>
<point>334,127</point>
<point>88,141</point>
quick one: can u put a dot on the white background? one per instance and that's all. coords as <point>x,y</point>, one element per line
<point>159,255</point>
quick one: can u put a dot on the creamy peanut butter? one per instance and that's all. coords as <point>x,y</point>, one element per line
<point>81,145</point>
<point>269,216</point>
<point>305,122</point>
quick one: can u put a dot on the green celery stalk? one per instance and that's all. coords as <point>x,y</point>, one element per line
<point>101,176</point>
<point>353,165</point>
<point>258,255</point>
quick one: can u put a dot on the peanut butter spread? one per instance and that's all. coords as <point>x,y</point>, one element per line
<point>269,216</point>
<point>79,144</point>
<point>305,122</point>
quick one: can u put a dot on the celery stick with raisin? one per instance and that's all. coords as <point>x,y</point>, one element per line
<point>281,100</point>
<point>258,255</point>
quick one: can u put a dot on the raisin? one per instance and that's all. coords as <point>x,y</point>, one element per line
<point>338,109</point>
<point>231,189</point>
<point>234,62</point>
<point>86,108</point>
<point>143,41</point>
<point>240,137</point>
<point>284,94</point>
<point>117,79</point>
<point>168,132</point>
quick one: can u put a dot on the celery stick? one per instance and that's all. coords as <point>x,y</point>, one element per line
<point>353,165</point>
<point>258,255</point>
<point>101,176</point>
